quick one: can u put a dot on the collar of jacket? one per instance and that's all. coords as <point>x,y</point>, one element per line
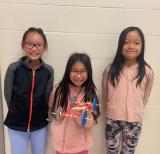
<point>26,62</point>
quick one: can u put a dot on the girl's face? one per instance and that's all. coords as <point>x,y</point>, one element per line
<point>132,47</point>
<point>34,46</point>
<point>78,74</point>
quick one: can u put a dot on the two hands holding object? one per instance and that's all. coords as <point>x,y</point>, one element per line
<point>82,112</point>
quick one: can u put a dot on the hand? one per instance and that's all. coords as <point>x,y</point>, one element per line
<point>86,121</point>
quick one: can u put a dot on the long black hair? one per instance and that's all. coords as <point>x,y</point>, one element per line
<point>118,62</point>
<point>62,90</point>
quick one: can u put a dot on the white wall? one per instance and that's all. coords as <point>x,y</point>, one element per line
<point>92,26</point>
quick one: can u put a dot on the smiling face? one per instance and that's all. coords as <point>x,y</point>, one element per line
<point>78,74</point>
<point>132,47</point>
<point>34,46</point>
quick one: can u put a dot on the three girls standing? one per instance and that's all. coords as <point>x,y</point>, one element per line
<point>127,84</point>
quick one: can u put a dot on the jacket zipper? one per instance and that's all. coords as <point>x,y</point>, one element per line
<point>31,100</point>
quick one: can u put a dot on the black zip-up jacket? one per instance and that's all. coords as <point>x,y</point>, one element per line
<point>27,93</point>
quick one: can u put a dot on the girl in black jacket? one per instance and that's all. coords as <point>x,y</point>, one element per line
<point>28,83</point>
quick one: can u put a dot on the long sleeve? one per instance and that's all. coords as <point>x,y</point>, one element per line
<point>51,101</point>
<point>8,82</point>
<point>150,78</point>
<point>104,85</point>
<point>49,83</point>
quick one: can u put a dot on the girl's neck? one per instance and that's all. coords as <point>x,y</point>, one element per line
<point>34,64</point>
<point>130,62</point>
<point>76,89</point>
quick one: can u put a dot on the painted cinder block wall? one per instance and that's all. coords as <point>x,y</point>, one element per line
<point>91,26</point>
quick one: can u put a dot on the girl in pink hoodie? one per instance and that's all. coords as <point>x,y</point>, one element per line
<point>127,84</point>
<point>68,134</point>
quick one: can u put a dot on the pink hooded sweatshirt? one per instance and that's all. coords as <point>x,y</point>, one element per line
<point>68,136</point>
<point>126,101</point>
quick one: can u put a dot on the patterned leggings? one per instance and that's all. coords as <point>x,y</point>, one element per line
<point>122,137</point>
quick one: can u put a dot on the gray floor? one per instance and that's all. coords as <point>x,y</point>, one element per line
<point>1,125</point>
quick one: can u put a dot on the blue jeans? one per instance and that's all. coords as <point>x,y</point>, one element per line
<point>19,141</point>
